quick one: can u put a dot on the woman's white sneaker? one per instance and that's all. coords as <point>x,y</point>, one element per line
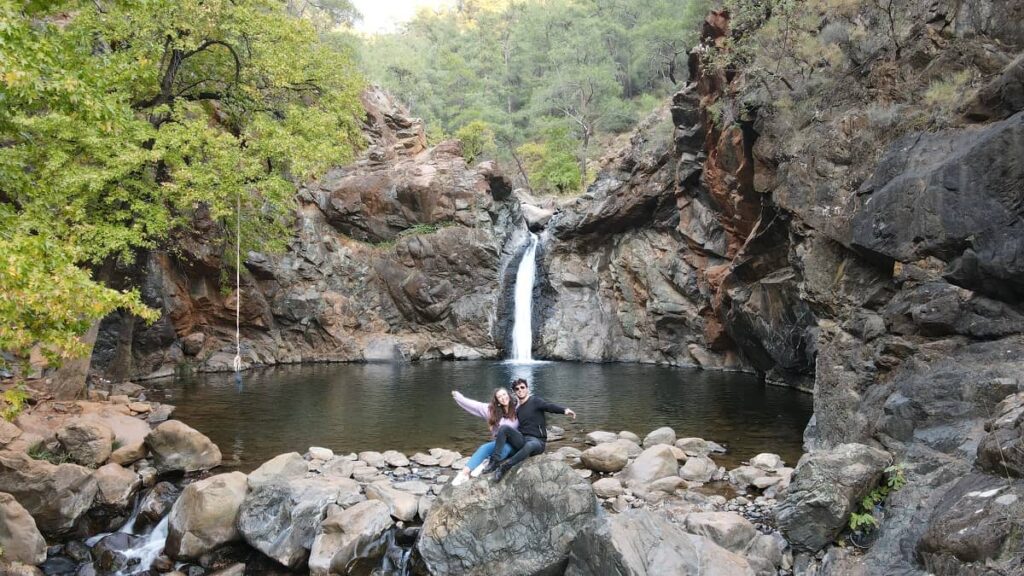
<point>479,469</point>
<point>460,478</point>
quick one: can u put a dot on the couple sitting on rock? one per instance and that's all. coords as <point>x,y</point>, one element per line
<point>517,426</point>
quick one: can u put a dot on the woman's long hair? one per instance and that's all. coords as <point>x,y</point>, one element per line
<point>495,412</point>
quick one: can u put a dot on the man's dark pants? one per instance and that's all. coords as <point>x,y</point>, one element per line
<point>523,445</point>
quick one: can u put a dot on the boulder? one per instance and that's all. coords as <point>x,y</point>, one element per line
<point>424,459</point>
<point>318,453</point>
<point>608,488</point>
<point>655,462</point>
<point>20,539</point>
<point>178,447</point>
<point>663,435</point>
<point>668,485</point>
<point>601,437</point>
<point>544,505</point>
<point>280,518</point>
<point>156,504</point>
<point>205,516</point>
<point>975,528</point>
<point>348,535</point>
<point>87,443</point>
<point>639,543</point>
<point>826,487</point>
<point>116,485</point>
<point>694,446</point>
<point>403,505</point>
<point>56,496</point>
<point>627,435</point>
<point>125,455</point>
<point>375,459</point>
<point>1001,451</point>
<point>535,216</point>
<point>698,469</point>
<point>280,469</point>
<point>395,459</point>
<point>8,432</point>
<point>607,457</point>
<point>416,487</point>
<point>727,529</point>
<point>632,448</point>
<point>766,461</point>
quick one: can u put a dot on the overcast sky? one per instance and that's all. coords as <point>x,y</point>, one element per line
<point>385,15</point>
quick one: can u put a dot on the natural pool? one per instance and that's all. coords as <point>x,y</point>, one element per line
<point>408,406</point>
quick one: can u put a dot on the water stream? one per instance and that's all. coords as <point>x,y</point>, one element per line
<point>522,328</point>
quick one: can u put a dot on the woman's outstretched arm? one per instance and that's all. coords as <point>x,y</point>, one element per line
<point>478,409</point>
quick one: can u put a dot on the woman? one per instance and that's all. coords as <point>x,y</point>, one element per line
<point>500,412</point>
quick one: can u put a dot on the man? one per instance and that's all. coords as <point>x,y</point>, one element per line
<point>532,434</point>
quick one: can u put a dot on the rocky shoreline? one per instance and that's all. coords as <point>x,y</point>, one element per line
<point>121,478</point>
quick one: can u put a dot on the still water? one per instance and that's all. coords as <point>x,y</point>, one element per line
<point>408,406</point>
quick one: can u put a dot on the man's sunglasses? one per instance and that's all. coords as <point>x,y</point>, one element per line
<point>520,387</point>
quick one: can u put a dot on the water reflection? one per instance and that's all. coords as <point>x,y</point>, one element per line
<point>408,406</point>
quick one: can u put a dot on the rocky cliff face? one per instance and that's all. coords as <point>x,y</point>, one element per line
<point>870,250</point>
<point>396,257</point>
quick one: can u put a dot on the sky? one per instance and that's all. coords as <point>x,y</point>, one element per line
<point>385,15</point>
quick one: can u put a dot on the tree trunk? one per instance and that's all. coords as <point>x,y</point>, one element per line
<point>68,382</point>
<point>120,368</point>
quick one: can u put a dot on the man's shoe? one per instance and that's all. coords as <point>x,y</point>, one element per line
<point>492,465</point>
<point>501,471</point>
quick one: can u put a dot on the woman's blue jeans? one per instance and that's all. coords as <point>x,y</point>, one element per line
<point>485,452</point>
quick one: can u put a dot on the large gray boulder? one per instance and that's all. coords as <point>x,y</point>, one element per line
<point>87,443</point>
<point>524,524</point>
<point>654,463</point>
<point>280,519</point>
<point>976,528</point>
<point>56,496</point>
<point>1002,450</point>
<point>349,535</point>
<point>826,487</point>
<point>20,539</point>
<point>953,196</point>
<point>178,447</point>
<point>639,543</point>
<point>205,516</point>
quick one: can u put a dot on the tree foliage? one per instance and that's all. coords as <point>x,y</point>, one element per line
<point>522,66</point>
<point>118,119</point>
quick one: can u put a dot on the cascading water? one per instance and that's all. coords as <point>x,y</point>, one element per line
<point>147,550</point>
<point>522,329</point>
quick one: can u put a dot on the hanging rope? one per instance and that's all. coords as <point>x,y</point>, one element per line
<point>238,288</point>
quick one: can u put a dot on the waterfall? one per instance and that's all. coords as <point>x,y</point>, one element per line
<point>522,329</point>
<point>148,550</point>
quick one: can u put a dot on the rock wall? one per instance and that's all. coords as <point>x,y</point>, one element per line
<point>396,257</point>
<point>870,251</point>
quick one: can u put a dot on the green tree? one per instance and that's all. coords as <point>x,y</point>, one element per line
<point>119,119</point>
<point>477,139</point>
<point>550,162</point>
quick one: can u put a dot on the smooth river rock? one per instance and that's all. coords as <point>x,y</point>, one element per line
<point>177,447</point>
<point>606,457</point>
<point>20,539</point>
<point>655,462</point>
<point>663,435</point>
<point>205,516</point>
<point>87,443</point>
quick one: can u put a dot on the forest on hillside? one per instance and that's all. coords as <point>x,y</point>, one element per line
<point>536,84</point>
